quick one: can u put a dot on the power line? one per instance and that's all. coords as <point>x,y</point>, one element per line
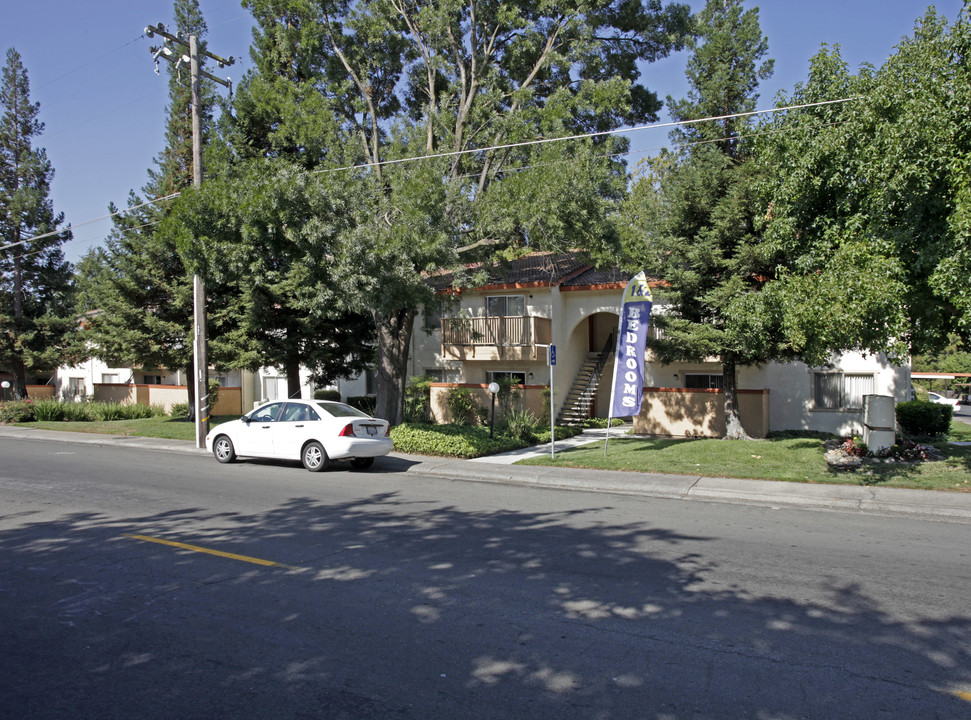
<point>584,136</point>
<point>88,64</point>
<point>540,141</point>
<point>88,222</point>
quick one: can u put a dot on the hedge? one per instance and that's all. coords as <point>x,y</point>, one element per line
<point>924,419</point>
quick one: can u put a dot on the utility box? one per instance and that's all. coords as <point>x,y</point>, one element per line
<point>879,422</point>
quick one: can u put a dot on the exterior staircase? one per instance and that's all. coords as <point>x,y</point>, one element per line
<point>576,406</point>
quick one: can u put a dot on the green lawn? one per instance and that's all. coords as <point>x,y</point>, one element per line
<point>785,459</point>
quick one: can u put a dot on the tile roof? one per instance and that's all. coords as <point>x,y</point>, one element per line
<point>601,276</point>
<point>570,269</point>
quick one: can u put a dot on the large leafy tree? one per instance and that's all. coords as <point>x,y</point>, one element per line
<point>692,220</point>
<point>266,230</point>
<point>366,84</point>
<point>869,200</point>
<point>136,289</point>
<point>36,318</point>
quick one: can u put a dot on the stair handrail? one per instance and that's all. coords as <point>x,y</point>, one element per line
<point>594,378</point>
<point>601,362</point>
<point>604,354</point>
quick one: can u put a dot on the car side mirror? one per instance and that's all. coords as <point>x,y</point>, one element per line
<point>245,419</point>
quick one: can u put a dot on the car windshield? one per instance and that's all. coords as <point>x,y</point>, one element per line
<point>336,409</point>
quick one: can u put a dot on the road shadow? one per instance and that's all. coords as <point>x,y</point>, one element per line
<point>386,607</point>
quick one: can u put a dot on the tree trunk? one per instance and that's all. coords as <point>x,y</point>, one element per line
<point>394,343</point>
<point>292,370</point>
<point>733,421</point>
<point>19,385</point>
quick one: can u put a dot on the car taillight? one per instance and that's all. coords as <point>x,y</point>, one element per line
<point>348,431</point>
<point>387,431</point>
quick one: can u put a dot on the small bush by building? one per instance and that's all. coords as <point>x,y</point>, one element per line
<point>924,419</point>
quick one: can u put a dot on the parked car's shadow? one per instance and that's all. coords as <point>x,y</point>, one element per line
<point>382,465</point>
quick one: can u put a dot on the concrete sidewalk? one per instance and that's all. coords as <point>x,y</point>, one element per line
<point>954,507</point>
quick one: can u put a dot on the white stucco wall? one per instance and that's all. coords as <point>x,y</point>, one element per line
<point>790,388</point>
<point>93,370</point>
<point>790,400</point>
<point>790,385</point>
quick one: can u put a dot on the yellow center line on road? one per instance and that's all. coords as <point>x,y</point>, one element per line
<point>209,551</point>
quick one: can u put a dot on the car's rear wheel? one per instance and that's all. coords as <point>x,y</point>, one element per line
<point>362,463</point>
<point>223,449</point>
<point>314,457</point>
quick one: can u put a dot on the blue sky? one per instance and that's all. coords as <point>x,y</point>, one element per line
<point>104,107</point>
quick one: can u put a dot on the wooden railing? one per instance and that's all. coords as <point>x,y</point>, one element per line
<point>501,331</point>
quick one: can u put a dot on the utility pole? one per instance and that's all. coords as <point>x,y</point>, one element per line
<point>200,365</point>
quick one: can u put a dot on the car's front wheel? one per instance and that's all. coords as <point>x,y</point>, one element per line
<point>223,449</point>
<point>362,463</point>
<point>314,457</point>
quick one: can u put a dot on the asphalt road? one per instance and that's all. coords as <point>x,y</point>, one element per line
<point>404,596</point>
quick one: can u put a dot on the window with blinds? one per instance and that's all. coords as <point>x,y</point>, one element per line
<point>839,391</point>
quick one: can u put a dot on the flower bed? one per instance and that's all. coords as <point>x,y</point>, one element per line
<point>851,453</point>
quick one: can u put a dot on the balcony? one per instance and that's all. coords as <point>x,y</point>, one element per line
<point>506,337</point>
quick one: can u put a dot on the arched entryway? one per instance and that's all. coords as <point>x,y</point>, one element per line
<point>592,346</point>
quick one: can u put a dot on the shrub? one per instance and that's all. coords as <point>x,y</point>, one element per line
<point>562,433</point>
<point>179,410</point>
<point>450,440</point>
<point>509,399</point>
<point>521,425</point>
<point>924,419</point>
<point>77,412</point>
<point>48,410</point>
<point>602,422</point>
<point>463,407</point>
<point>213,387</point>
<point>16,411</point>
<point>327,394</point>
<point>418,402</point>
<point>137,411</point>
<point>105,411</point>
<point>365,403</point>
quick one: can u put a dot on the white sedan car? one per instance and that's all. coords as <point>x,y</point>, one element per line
<point>935,398</point>
<point>311,431</point>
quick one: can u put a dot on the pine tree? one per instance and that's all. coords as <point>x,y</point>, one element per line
<point>36,321</point>
<point>698,222</point>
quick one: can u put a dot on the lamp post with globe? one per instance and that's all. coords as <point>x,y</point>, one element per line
<point>6,386</point>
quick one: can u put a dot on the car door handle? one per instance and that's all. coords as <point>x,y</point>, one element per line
<point>300,425</point>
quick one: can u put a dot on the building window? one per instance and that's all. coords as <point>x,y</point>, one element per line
<point>152,380</point>
<point>838,391</point>
<point>110,378</point>
<point>75,387</point>
<point>703,381</point>
<point>275,388</point>
<point>444,375</point>
<point>506,305</point>
<point>370,382</point>
<point>514,376</point>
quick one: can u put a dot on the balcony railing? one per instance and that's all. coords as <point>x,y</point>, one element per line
<point>501,331</point>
